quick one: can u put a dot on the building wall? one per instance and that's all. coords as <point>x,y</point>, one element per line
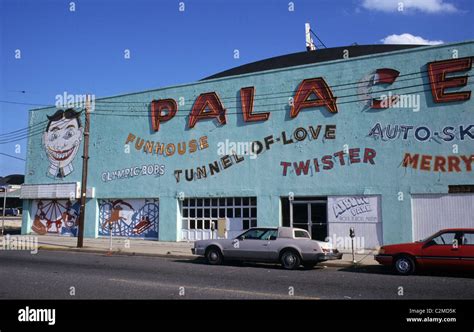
<point>263,177</point>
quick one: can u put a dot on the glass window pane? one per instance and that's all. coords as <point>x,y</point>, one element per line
<point>207,202</point>
<point>192,202</point>
<point>207,224</point>
<point>246,224</point>
<point>445,239</point>
<point>230,213</point>
<point>192,213</point>
<point>199,224</point>
<point>184,224</point>
<point>246,212</point>
<point>207,213</point>
<point>186,202</point>
<point>238,201</point>
<point>221,213</point>
<point>214,213</point>
<point>254,212</point>
<point>246,201</point>
<point>185,212</point>
<point>468,239</point>
<point>253,223</point>
<point>192,224</point>
<point>199,202</point>
<point>253,201</point>
<point>214,202</point>
<point>221,201</point>
<point>238,212</point>
<point>199,213</point>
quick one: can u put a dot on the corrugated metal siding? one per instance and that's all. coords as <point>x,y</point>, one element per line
<point>369,235</point>
<point>431,212</point>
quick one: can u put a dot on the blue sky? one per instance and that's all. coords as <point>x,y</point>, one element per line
<point>83,50</point>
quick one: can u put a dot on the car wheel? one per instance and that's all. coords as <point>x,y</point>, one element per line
<point>214,256</point>
<point>290,260</point>
<point>404,265</point>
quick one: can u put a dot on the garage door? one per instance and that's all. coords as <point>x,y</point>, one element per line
<point>431,212</point>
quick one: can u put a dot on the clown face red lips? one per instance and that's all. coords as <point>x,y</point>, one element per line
<point>61,155</point>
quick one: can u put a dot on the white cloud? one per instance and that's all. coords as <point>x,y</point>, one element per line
<point>407,38</point>
<point>426,6</point>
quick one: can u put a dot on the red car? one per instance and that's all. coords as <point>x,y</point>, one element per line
<point>449,248</point>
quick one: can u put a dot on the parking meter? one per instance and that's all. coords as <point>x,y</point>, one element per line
<point>352,235</point>
<point>352,232</point>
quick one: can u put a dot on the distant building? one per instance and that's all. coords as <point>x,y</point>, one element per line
<point>12,179</point>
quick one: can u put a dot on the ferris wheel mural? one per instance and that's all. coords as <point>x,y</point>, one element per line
<point>55,217</point>
<point>130,218</point>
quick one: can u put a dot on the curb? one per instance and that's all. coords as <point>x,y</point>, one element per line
<point>174,256</point>
<point>114,252</point>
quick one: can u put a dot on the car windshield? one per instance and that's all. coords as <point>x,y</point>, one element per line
<point>427,238</point>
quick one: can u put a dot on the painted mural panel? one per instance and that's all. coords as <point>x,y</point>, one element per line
<point>55,217</point>
<point>129,217</point>
<point>61,140</point>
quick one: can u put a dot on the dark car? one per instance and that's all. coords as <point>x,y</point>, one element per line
<point>11,212</point>
<point>448,249</point>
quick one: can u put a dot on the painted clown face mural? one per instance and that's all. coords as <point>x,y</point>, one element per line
<point>61,141</point>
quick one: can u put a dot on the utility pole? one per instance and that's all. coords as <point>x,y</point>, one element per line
<point>4,207</point>
<point>85,161</point>
<point>309,41</point>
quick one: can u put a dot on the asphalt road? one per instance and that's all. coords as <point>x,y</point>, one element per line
<point>51,274</point>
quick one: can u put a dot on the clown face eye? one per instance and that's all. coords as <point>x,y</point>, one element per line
<point>69,134</point>
<point>53,136</point>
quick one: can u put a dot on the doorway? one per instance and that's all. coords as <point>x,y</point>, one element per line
<point>307,213</point>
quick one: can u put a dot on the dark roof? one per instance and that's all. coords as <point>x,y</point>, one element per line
<point>12,179</point>
<point>304,58</point>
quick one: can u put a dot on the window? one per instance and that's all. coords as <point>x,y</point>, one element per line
<point>253,234</point>
<point>200,213</point>
<point>260,234</point>
<point>443,239</point>
<point>468,239</point>
<point>270,235</point>
<point>301,234</point>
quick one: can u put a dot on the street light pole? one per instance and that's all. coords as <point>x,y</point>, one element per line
<point>85,160</point>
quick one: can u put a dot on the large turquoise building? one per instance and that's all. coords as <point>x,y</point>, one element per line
<point>378,138</point>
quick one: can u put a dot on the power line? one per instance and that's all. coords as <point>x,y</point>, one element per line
<point>224,98</point>
<point>9,155</point>
<point>35,129</point>
<point>16,132</point>
<point>273,104</point>
<point>131,114</point>
<point>314,34</point>
<point>110,112</point>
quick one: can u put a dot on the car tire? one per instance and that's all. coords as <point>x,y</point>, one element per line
<point>214,256</point>
<point>404,265</point>
<point>290,259</point>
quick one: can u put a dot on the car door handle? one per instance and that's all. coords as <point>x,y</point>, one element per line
<point>265,244</point>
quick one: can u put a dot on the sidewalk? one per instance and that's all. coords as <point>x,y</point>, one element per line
<point>131,247</point>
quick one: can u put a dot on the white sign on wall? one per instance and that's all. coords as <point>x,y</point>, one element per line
<point>353,209</point>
